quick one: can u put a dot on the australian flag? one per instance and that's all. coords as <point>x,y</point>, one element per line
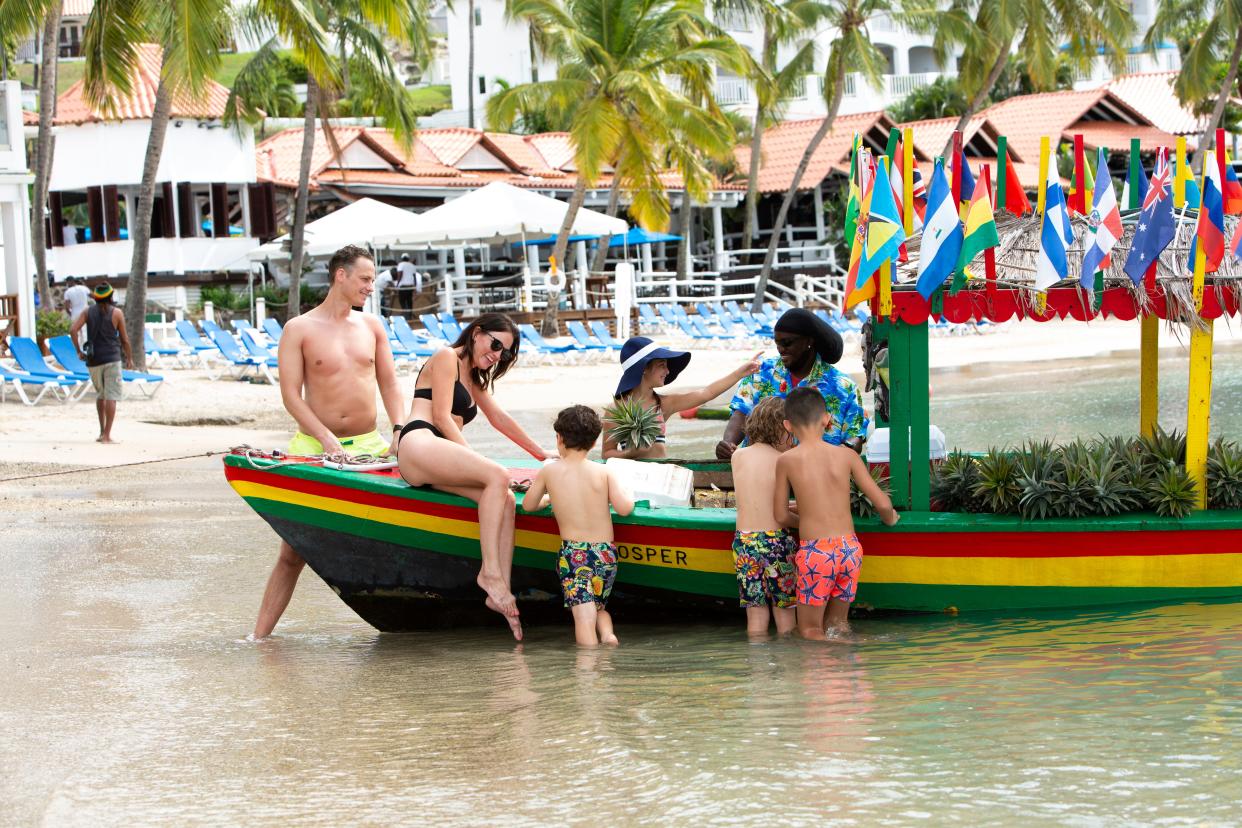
<point>1155,223</point>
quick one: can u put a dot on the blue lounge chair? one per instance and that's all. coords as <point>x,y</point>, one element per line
<point>63,352</point>
<point>25,383</point>
<point>600,329</point>
<point>238,363</point>
<point>209,326</point>
<point>670,317</point>
<point>273,329</point>
<point>30,359</point>
<point>201,348</point>
<point>400,353</point>
<point>240,325</point>
<point>543,347</point>
<point>411,341</point>
<point>734,309</point>
<point>155,351</point>
<point>646,316</point>
<point>254,347</point>
<point>584,338</point>
<point>433,326</point>
<point>450,325</point>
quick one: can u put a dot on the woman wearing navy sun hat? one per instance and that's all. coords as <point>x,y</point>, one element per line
<point>646,366</point>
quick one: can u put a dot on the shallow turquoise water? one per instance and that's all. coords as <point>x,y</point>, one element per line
<point>128,697</point>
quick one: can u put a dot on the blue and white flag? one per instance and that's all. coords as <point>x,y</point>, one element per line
<point>1055,235</point>
<point>942,235</point>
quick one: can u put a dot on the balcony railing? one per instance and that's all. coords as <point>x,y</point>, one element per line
<point>732,91</point>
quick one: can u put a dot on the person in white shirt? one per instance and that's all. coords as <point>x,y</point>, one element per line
<point>409,282</point>
<point>77,298</point>
<point>383,281</point>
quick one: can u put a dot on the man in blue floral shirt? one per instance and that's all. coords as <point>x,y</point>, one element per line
<point>807,348</point>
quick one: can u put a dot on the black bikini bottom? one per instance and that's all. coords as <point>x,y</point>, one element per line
<point>415,425</point>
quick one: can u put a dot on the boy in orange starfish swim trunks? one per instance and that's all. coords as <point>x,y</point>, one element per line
<point>829,556</point>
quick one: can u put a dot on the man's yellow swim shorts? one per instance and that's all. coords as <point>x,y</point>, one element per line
<point>370,443</point>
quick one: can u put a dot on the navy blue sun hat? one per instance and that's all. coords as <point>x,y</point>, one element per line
<point>637,352</point>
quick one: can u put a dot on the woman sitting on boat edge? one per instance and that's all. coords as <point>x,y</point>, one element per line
<point>433,452</point>
<point>646,366</point>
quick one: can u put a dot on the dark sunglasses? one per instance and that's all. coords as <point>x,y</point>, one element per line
<point>505,354</point>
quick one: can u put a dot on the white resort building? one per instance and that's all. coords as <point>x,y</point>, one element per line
<point>16,291</point>
<point>209,209</point>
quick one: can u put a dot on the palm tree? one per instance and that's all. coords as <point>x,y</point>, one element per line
<point>852,48</point>
<point>775,86</point>
<point>612,58</point>
<point>990,30</point>
<point>18,20</point>
<point>357,30</point>
<point>1219,42</point>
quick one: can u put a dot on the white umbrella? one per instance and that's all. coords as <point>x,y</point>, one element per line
<point>355,223</point>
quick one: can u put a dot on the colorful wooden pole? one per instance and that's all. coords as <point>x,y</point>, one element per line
<point>989,255</point>
<point>907,173</point>
<point>1199,389</point>
<point>1179,174</point>
<point>886,270</point>
<point>1079,200</point>
<point>1041,201</point>
<point>1149,325</point>
<point>1002,172</point>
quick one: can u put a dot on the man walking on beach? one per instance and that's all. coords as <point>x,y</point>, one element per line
<point>106,340</point>
<point>332,360</point>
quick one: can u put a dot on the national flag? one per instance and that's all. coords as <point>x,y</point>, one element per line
<point>1210,228</point>
<point>1184,172</point>
<point>980,231</point>
<point>942,235</point>
<point>884,231</point>
<point>1016,201</point>
<point>854,202</point>
<point>1155,229</point>
<point>898,185</point>
<point>1055,235</point>
<point>968,183</point>
<point>1105,219</point>
<point>920,193</point>
<point>1232,193</point>
<point>853,294</point>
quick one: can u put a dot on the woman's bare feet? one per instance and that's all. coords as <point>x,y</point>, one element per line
<point>515,623</point>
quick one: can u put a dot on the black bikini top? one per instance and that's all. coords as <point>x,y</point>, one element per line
<point>463,403</point>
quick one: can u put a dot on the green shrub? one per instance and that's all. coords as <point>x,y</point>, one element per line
<point>50,323</point>
<point>1224,475</point>
<point>860,506</point>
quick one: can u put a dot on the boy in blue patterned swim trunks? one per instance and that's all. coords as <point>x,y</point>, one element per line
<point>581,492</point>
<point>762,549</point>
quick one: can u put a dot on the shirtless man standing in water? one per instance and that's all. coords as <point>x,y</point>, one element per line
<point>332,359</point>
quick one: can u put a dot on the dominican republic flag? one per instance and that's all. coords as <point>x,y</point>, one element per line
<point>1055,234</point>
<point>1105,221</point>
<point>1210,229</point>
<point>1155,228</point>
<point>942,235</point>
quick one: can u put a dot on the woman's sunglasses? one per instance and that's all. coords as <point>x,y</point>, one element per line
<point>505,354</point>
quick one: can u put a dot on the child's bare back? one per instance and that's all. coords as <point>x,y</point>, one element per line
<point>819,474</point>
<point>754,479</point>
<point>581,492</point>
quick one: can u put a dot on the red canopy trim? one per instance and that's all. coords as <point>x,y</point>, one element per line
<point>1004,304</point>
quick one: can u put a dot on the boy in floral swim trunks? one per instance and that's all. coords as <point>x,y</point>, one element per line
<point>829,556</point>
<point>581,492</point>
<point>763,550</point>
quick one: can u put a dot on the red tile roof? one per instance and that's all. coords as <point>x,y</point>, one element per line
<point>931,136</point>
<point>1151,93</point>
<point>555,148</point>
<point>785,143</point>
<point>30,118</point>
<point>73,108</point>
<point>1097,113</point>
<point>277,159</point>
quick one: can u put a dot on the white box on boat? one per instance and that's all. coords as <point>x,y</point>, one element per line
<point>877,445</point>
<point>660,484</point>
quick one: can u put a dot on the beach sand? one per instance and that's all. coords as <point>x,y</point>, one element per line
<point>193,414</point>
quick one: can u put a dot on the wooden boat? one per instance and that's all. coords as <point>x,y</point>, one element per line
<point>406,558</point>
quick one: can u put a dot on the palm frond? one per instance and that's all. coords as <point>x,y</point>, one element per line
<point>110,40</point>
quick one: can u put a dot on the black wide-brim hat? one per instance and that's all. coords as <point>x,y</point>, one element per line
<point>828,343</point>
<point>637,352</point>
